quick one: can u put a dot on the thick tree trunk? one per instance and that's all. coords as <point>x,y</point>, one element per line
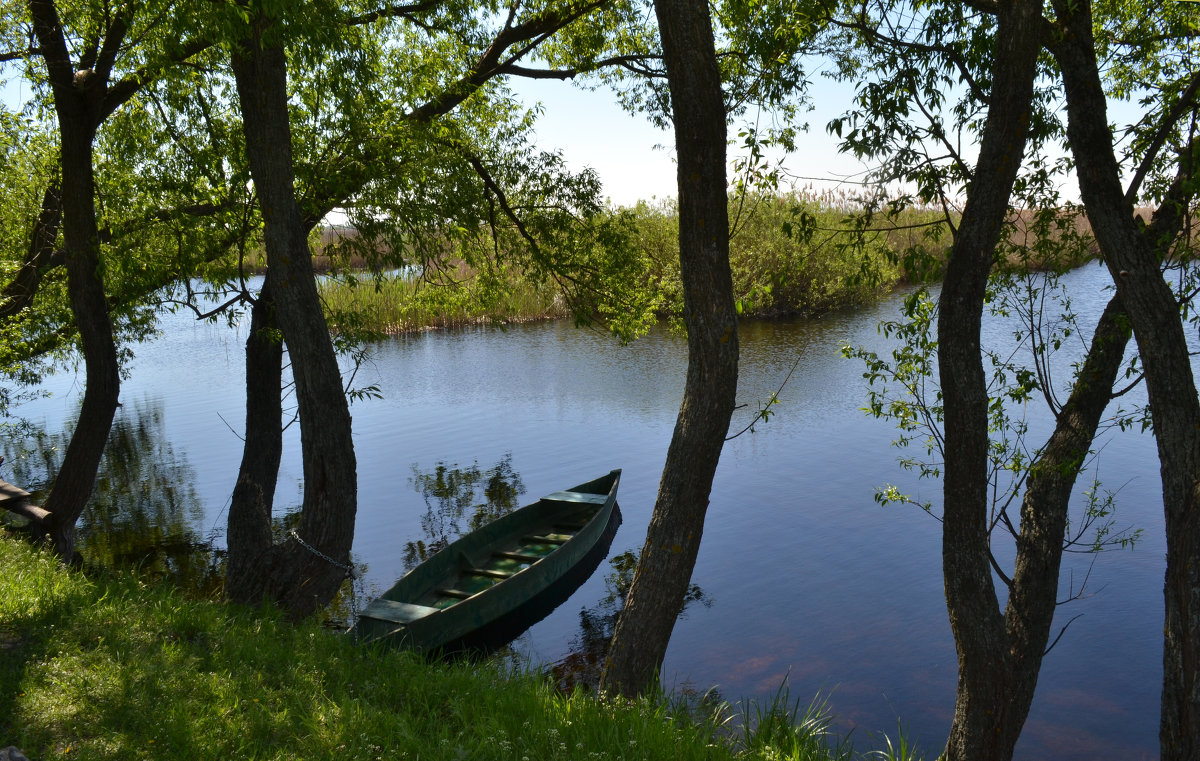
<point>249,534</point>
<point>78,103</point>
<point>673,539</point>
<point>1132,258</point>
<point>986,720</point>
<point>298,579</point>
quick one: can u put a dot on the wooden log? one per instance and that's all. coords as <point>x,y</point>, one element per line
<point>11,494</point>
<point>16,500</point>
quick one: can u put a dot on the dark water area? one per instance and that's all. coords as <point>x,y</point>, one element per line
<point>801,576</point>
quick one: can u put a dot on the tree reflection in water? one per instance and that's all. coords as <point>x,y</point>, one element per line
<point>582,664</point>
<point>453,495</point>
<point>144,512</point>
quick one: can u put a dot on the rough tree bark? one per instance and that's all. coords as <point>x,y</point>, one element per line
<point>81,104</point>
<point>986,721</point>
<point>292,575</point>
<point>673,539</point>
<point>249,526</point>
<point>1131,256</point>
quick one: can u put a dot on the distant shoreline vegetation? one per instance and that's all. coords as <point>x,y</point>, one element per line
<point>801,254</point>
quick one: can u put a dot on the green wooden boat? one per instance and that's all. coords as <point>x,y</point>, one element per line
<point>492,572</point>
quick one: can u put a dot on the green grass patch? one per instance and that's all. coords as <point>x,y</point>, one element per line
<point>112,667</point>
<point>399,303</point>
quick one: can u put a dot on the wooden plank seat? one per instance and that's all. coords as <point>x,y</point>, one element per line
<point>547,538</point>
<point>397,612</point>
<point>458,594</point>
<point>524,557</point>
<point>491,574</point>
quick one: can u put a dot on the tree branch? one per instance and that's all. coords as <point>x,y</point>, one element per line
<point>489,64</point>
<point>395,11</point>
<point>41,257</point>
<point>1187,100</point>
<point>114,36</point>
<point>628,62</point>
<point>128,86</point>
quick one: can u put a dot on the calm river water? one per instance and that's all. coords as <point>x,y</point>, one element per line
<point>804,577</point>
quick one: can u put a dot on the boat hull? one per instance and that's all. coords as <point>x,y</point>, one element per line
<point>488,577</point>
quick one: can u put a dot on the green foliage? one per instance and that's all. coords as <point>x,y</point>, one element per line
<point>793,254</point>
<point>903,387</point>
<point>900,749</point>
<point>798,254</point>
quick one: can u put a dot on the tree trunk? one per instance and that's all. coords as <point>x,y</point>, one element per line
<point>78,103</point>
<point>1131,256</point>
<point>299,579</point>
<point>1033,592</point>
<point>249,534</point>
<point>986,720</point>
<point>673,539</point>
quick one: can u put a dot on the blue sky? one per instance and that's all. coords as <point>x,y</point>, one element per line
<point>592,130</point>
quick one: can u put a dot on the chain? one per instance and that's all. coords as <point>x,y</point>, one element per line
<point>348,569</point>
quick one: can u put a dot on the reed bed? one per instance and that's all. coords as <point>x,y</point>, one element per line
<point>404,303</point>
<point>805,253</point>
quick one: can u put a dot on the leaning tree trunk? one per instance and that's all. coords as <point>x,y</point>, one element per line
<point>249,526</point>
<point>1174,406</point>
<point>79,106</point>
<point>1033,590</point>
<point>673,539</point>
<point>986,723</point>
<point>305,573</point>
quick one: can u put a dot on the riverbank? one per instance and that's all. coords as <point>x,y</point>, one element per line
<point>111,666</point>
<point>801,254</point>
<point>793,255</point>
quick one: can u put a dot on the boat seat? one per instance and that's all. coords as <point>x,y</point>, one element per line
<point>577,496</point>
<point>547,538</point>
<point>397,612</point>
<point>491,574</point>
<point>523,557</point>
<point>455,593</point>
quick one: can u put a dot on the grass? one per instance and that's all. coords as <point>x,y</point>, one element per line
<point>109,666</point>
<point>402,303</point>
<point>801,253</point>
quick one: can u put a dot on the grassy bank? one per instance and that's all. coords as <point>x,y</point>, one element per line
<point>404,304</point>
<point>799,254</point>
<point>113,667</point>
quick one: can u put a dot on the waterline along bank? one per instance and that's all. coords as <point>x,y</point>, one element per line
<point>112,666</point>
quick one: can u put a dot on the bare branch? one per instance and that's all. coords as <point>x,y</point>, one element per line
<point>1060,635</point>
<point>629,62</point>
